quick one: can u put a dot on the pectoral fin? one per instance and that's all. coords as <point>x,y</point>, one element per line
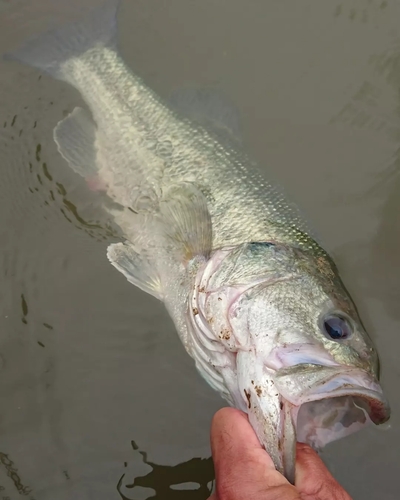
<point>181,230</point>
<point>185,221</point>
<point>136,268</point>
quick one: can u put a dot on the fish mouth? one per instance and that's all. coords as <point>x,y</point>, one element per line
<point>306,402</point>
<point>341,401</point>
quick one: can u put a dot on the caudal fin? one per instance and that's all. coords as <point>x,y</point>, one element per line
<point>52,49</point>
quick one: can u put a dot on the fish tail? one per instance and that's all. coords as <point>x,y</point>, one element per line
<point>51,50</point>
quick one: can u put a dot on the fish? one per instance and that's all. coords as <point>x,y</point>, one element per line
<point>257,302</point>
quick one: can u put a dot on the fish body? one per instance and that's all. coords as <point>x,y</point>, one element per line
<point>257,302</point>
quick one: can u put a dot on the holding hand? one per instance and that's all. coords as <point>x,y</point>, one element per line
<point>245,471</point>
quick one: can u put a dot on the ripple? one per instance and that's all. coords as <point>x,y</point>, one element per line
<point>195,477</point>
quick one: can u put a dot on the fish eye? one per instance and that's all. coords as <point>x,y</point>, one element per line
<point>337,327</point>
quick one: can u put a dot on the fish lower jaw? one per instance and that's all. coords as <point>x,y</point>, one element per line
<point>325,417</point>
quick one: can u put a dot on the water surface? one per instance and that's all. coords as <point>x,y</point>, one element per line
<point>99,399</point>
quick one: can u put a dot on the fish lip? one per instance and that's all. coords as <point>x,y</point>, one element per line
<point>338,383</point>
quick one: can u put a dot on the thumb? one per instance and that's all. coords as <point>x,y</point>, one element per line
<point>243,469</point>
<point>313,479</point>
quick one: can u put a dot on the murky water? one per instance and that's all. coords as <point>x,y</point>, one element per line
<point>98,398</point>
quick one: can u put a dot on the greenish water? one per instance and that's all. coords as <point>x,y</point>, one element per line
<point>98,398</point>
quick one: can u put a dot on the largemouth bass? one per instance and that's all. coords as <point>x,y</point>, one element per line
<point>257,302</point>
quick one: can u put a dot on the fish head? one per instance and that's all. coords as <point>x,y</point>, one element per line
<point>298,359</point>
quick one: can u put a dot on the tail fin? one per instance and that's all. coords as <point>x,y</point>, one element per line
<point>51,50</point>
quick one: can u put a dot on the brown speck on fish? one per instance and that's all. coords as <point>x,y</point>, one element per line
<point>225,334</point>
<point>248,396</point>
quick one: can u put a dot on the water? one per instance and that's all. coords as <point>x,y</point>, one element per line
<point>98,398</point>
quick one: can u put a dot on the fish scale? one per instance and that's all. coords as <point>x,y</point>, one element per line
<point>115,96</point>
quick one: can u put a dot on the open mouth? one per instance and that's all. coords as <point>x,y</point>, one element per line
<point>322,421</point>
<point>339,402</point>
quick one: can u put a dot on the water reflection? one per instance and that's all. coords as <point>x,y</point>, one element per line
<point>190,480</point>
<point>379,254</point>
<point>12,473</point>
<point>386,243</point>
<point>384,248</point>
<point>359,10</point>
<point>35,166</point>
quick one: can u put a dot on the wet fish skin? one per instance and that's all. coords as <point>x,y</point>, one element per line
<point>246,284</point>
<point>141,145</point>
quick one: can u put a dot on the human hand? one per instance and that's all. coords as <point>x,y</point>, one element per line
<point>245,471</point>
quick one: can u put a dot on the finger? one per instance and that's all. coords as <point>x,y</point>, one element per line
<point>243,469</point>
<point>313,479</point>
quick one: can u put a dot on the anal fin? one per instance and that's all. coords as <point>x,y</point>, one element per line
<point>75,137</point>
<point>136,268</point>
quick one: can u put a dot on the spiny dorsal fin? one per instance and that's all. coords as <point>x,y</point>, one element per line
<point>212,110</point>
